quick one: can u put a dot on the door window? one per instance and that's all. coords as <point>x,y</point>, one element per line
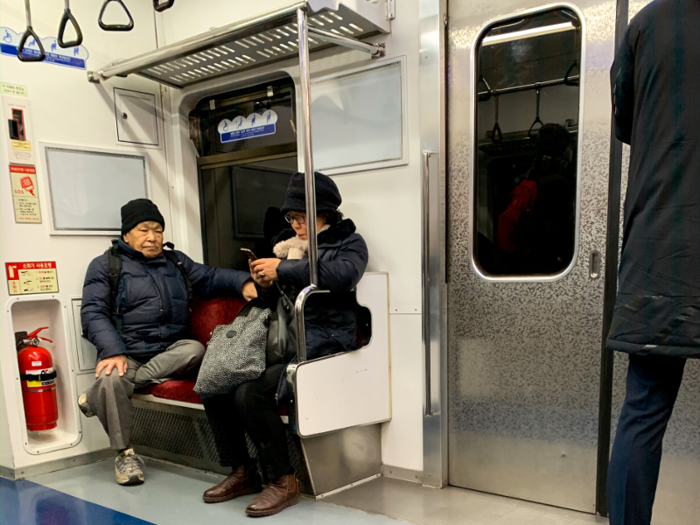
<point>526,171</point>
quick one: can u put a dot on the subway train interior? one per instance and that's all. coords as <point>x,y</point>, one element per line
<point>482,393</point>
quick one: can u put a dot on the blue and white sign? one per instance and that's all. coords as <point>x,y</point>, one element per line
<point>252,126</point>
<point>75,57</point>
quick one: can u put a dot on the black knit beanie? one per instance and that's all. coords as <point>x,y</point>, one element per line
<point>137,211</point>
<point>327,194</point>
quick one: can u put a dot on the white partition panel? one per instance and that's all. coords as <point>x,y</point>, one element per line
<point>350,389</point>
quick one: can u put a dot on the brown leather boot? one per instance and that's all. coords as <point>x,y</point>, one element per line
<point>279,494</point>
<point>243,481</point>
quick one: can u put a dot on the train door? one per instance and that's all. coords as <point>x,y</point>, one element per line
<point>247,148</point>
<point>529,143</point>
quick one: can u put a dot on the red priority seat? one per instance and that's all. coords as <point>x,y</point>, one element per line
<point>204,317</point>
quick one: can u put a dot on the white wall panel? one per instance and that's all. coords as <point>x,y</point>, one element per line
<point>66,109</point>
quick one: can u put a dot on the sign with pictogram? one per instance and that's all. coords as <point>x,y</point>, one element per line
<point>32,277</point>
<point>25,195</point>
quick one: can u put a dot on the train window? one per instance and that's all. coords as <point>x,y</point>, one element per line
<point>526,174</point>
<point>357,118</point>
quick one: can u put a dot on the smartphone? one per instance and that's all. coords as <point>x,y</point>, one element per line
<point>249,253</point>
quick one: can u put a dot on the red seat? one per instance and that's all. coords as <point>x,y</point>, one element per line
<point>204,317</point>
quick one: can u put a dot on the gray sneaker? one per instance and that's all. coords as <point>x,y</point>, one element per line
<point>84,407</point>
<point>128,467</point>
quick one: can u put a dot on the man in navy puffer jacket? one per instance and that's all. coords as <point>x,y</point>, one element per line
<point>149,342</point>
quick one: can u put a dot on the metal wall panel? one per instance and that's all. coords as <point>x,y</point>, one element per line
<point>524,357</point>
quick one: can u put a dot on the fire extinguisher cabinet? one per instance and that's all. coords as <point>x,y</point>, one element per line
<point>41,399</point>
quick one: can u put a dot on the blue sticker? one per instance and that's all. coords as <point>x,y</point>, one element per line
<point>252,126</point>
<point>75,57</point>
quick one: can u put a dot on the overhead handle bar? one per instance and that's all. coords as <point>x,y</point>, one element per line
<point>115,27</point>
<point>68,17</point>
<point>531,133</point>
<point>162,7</point>
<point>29,32</point>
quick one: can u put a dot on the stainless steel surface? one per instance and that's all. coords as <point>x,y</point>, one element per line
<point>412,503</point>
<point>300,323</point>
<point>524,357</point>
<point>336,460</point>
<point>375,50</point>
<point>237,47</point>
<point>425,212</point>
<point>432,15</point>
<point>310,180</point>
<point>594,265</point>
<point>404,474</point>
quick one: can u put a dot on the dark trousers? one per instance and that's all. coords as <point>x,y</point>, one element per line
<point>251,408</point>
<point>652,388</point>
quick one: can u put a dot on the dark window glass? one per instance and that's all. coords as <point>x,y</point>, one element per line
<point>244,103</point>
<point>241,209</point>
<point>526,137</point>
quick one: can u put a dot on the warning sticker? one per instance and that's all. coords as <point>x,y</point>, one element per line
<point>22,145</point>
<point>25,195</point>
<point>13,89</point>
<point>250,127</point>
<point>32,277</point>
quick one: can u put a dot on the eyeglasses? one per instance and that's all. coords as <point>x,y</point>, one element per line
<point>300,219</point>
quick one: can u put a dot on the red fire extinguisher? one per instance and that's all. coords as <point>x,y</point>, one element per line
<point>38,381</point>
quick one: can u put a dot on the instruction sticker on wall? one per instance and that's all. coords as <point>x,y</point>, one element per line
<point>25,194</point>
<point>32,277</point>
<point>253,126</point>
<point>75,57</point>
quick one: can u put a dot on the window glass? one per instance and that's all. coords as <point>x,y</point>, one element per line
<point>527,137</point>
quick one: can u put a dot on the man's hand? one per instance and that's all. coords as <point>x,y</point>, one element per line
<point>249,291</point>
<point>118,361</point>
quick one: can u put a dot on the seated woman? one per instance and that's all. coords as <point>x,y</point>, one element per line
<point>331,327</point>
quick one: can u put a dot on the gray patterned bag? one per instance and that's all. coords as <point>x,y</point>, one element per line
<point>235,353</point>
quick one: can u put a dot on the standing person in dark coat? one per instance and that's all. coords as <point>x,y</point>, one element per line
<point>656,95</point>
<point>332,326</point>
<point>143,337</point>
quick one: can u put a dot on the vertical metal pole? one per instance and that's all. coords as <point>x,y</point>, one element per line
<point>305,113</point>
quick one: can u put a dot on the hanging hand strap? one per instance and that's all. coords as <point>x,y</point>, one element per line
<point>531,133</point>
<point>567,78</point>
<point>115,27</point>
<point>162,7</point>
<point>29,32</point>
<point>496,133</point>
<point>68,17</point>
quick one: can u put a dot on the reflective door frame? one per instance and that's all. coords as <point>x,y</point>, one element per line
<point>433,21</point>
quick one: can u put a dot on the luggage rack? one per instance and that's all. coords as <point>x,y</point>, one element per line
<point>257,42</point>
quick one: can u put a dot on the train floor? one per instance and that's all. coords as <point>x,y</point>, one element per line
<point>88,495</point>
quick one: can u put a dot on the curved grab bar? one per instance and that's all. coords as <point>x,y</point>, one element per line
<point>115,27</point>
<point>300,321</point>
<point>162,7</point>
<point>68,17</point>
<point>24,58</point>
<point>29,32</point>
